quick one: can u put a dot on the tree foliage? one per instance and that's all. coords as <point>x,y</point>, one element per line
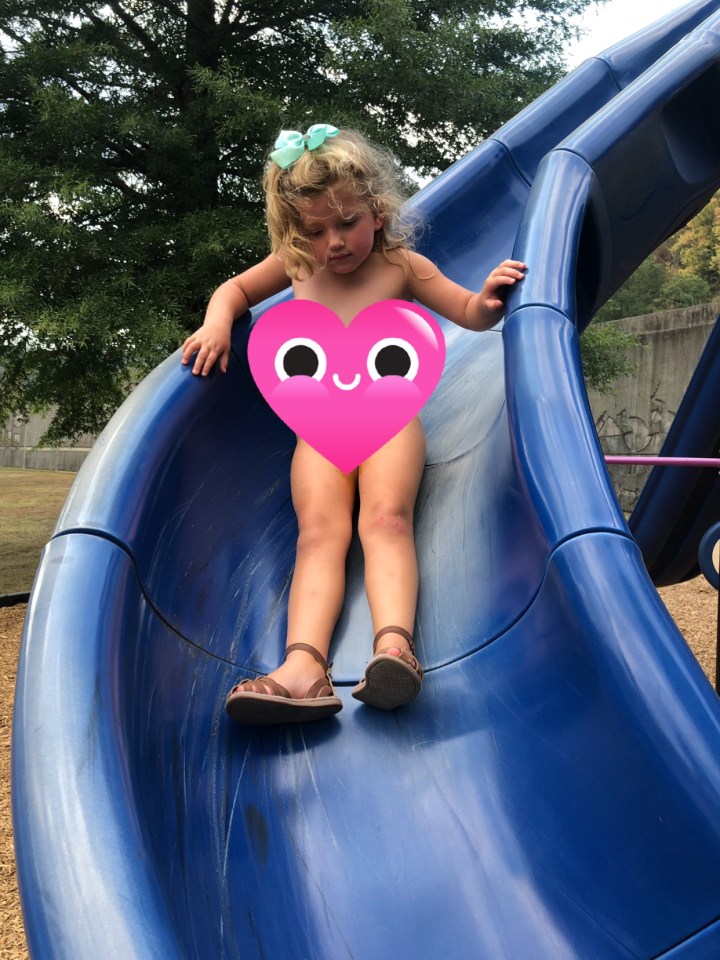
<point>133,135</point>
<point>606,355</point>
<point>683,272</point>
<point>696,248</point>
<point>638,295</point>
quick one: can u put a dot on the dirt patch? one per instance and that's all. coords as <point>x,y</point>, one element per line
<point>12,935</point>
<point>692,604</point>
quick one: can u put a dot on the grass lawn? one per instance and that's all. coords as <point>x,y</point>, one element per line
<point>30,501</point>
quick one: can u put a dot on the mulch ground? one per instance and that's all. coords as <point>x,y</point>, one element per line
<point>12,934</point>
<point>692,604</point>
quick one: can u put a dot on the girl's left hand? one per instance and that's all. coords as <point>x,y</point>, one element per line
<point>493,293</point>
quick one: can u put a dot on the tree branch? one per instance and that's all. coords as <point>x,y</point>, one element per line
<point>52,25</point>
<point>17,37</point>
<point>225,17</point>
<point>134,27</point>
<point>287,17</point>
<point>115,180</point>
<point>174,8</point>
<point>105,26</point>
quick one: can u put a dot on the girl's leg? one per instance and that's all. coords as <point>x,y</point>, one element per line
<point>323,498</point>
<point>388,483</point>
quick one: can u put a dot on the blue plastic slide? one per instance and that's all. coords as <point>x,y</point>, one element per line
<point>554,793</point>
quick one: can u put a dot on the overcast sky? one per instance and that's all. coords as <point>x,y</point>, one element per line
<point>615,20</point>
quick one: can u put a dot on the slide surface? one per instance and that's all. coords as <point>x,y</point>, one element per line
<point>555,790</point>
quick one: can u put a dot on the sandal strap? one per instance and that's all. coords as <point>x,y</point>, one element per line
<point>276,689</point>
<point>322,687</point>
<point>312,651</point>
<point>399,630</point>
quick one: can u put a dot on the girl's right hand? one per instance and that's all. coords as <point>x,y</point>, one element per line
<point>211,343</point>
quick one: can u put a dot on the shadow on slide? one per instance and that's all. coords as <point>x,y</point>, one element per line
<point>555,791</point>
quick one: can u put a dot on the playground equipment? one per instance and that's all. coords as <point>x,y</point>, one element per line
<point>709,554</point>
<point>709,559</point>
<point>555,791</point>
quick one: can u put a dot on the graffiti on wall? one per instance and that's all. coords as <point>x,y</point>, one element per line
<point>623,433</point>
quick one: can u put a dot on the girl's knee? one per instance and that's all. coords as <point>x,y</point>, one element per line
<point>385,522</point>
<point>323,531</point>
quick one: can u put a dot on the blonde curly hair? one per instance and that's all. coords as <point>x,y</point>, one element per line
<point>347,161</point>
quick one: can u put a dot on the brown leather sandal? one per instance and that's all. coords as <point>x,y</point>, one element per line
<point>390,681</point>
<point>271,702</point>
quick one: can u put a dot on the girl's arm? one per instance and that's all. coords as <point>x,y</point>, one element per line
<point>212,341</point>
<point>476,311</point>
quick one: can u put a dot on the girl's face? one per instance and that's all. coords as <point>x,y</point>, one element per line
<point>341,229</point>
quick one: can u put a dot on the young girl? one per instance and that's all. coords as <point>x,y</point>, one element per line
<point>337,232</point>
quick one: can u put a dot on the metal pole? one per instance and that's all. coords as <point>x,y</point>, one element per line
<point>666,461</point>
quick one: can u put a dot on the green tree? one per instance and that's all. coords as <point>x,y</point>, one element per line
<point>606,355</point>
<point>683,272</point>
<point>684,290</point>
<point>639,294</point>
<point>696,247</point>
<point>133,135</point>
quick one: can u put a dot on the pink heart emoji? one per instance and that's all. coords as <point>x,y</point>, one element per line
<point>346,390</point>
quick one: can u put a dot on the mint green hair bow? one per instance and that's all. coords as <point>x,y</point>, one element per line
<point>290,145</point>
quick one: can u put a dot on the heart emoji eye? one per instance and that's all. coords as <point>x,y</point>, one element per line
<point>300,357</point>
<point>393,357</point>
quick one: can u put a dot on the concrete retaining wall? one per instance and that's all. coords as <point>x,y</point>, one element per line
<point>18,447</point>
<point>636,417</point>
